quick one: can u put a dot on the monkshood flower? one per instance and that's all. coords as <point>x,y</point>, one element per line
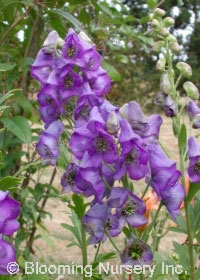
<point>164,180</point>
<point>151,136</point>
<point>133,113</point>
<point>134,156</point>
<point>194,156</point>
<point>194,114</point>
<point>98,220</point>
<point>47,146</point>
<point>159,99</point>
<point>7,255</point>
<point>49,114</point>
<point>69,83</point>
<point>68,180</point>
<point>170,107</point>
<point>94,139</point>
<point>88,180</point>
<point>163,171</point>
<point>9,211</point>
<point>137,252</point>
<point>46,58</point>
<point>129,208</point>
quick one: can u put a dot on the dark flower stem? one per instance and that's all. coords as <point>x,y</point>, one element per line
<point>97,252</point>
<point>84,247</point>
<point>146,189</point>
<point>112,242</point>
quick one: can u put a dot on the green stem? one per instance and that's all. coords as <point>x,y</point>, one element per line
<point>97,252</point>
<point>84,248</point>
<point>146,189</point>
<point>112,242</point>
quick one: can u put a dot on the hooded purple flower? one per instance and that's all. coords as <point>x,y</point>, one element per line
<point>43,66</point>
<point>47,146</point>
<point>9,211</point>
<point>159,99</point>
<point>163,171</point>
<point>151,136</point>
<point>89,181</point>
<point>170,107</point>
<point>92,60</point>
<point>97,220</point>
<point>164,179</point>
<point>7,255</point>
<point>194,114</point>
<point>70,83</point>
<point>137,252</point>
<point>68,180</point>
<point>134,157</point>
<point>194,156</point>
<point>129,207</point>
<point>133,113</point>
<point>95,140</point>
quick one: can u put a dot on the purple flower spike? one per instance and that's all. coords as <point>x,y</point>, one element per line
<point>49,114</point>
<point>70,83</point>
<point>10,210</point>
<point>152,135</point>
<point>92,60</point>
<point>47,146</point>
<point>100,84</point>
<point>7,255</point>
<point>137,253</point>
<point>194,156</point>
<point>129,207</point>
<point>49,95</point>
<point>134,157</point>
<point>194,114</point>
<point>170,107</point>
<point>97,220</point>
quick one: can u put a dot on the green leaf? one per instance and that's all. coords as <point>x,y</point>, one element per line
<point>122,58</point>
<point>57,24</point>
<point>182,138</point>
<point>68,17</point>
<point>152,3</point>
<point>6,67</point>
<point>18,126</point>
<point>9,183</point>
<point>112,72</point>
<point>74,231</point>
<point>45,235</point>
<point>80,207</point>
<point>193,189</point>
<point>84,17</point>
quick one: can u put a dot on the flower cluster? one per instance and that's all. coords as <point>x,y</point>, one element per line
<point>108,143</point>
<point>9,211</point>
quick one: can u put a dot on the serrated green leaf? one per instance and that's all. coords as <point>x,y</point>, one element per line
<point>18,126</point>
<point>9,183</point>
<point>112,72</point>
<point>45,235</point>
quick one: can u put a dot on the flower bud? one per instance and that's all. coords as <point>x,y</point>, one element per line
<point>112,123</point>
<point>60,43</point>
<point>191,90</point>
<point>157,46</point>
<point>50,44</point>
<point>175,47</point>
<point>159,12</point>
<point>172,38</point>
<point>82,35</point>
<point>164,32</point>
<point>165,85</point>
<point>155,23</point>
<point>151,16</point>
<point>168,21</point>
<point>160,65</point>
<point>185,69</point>
<point>123,111</point>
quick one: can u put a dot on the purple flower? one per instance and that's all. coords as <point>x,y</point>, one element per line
<point>164,180</point>
<point>49,114</point>
<point>133,113</point>
<point>170,107</point>
<point>194,114</point>
<point>106,108</point>
<point>68,180</point>
<point>134,157</point>
<point>10,210</point>
<point>7,255</point>
<point>97,220</point>
<point>151,136</point>
<point>159,99</point>
<point>95,140</point>
<point>47,146</point>
<point>70,83</point>
<point>163,171</point>
<point>49,95</point>
<point>137,252</point>
<point>129,207</point>
<point>194,156</point>
<point>92,60</point>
